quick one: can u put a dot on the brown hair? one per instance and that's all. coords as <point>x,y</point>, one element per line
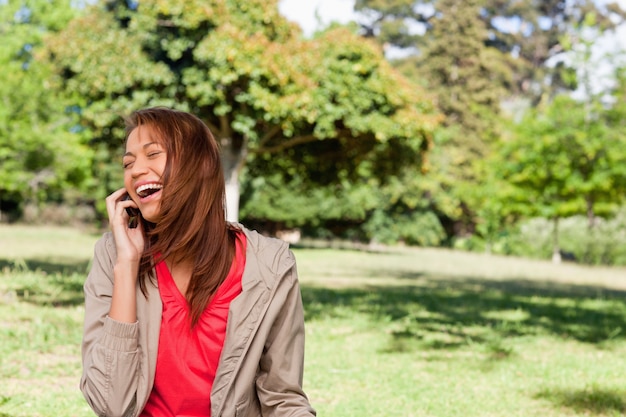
<point>192,226</point>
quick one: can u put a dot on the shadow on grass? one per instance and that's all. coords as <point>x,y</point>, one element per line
<point>64,266</point>
<point>588,401</point>
<point>449,313</point>
<point>46,282</point>
<point>438,312</point>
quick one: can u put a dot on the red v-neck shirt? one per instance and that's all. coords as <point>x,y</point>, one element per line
<point>187,359</point>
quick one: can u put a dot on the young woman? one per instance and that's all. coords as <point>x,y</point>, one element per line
<point>186,314</point>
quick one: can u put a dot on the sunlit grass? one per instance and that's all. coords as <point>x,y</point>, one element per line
<point>47,248</point>
<point>406,332</point>
<point>39,358</point>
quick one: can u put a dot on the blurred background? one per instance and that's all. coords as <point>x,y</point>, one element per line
<point>481,125</point>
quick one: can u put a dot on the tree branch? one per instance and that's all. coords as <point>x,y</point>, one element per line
<point>286,144</point>
<point>299,140</point>
<point>225,127</point>
<point>213,128</point>
<point>269,135</point>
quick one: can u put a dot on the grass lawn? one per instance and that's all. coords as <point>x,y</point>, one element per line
<point>404,332</point>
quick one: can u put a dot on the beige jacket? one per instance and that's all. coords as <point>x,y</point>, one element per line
<point>260,369</point>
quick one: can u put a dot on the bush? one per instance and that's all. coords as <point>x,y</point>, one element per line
<point>59,214</point>
<point>604,244</point>
<point>411,227</point>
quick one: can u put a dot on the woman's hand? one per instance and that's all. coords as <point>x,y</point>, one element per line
<point>129,242</point>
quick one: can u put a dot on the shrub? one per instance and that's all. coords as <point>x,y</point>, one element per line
<point>59,214</point>
<point>421,228</point>
<point>604,244</point>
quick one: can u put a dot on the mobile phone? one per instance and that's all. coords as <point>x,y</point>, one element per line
<point>133,213</point>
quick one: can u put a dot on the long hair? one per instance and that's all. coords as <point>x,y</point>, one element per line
<point>192,225</point>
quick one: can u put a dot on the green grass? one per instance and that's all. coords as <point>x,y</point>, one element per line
<point>405,332</point>
<point>441,333</point>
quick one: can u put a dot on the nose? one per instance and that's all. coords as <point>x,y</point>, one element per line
<point>139,167</point>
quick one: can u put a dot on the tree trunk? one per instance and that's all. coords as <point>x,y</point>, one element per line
<point>591,231</point>
<point>556,250</point>
<point>232,199</point>
<point>591,217</point>
<point>232,163</point>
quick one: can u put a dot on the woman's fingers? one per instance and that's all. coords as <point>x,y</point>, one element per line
<point>114,204</point>
<point>129,241</point>
<point>117,203</point>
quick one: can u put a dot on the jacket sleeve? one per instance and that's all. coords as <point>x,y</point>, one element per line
<point>110,348</point>
<point>279,383</point>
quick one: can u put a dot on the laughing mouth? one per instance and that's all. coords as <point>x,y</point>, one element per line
<point>147,190</point>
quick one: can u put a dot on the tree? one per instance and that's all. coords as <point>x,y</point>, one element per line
<point>541,33</point>
<point>479,57</point>
<point>41,158</point>
<point>563,161</point>
<point>248,74</point>
<point>469,81</point>
<point>394,22</point>
<point>533,33</point>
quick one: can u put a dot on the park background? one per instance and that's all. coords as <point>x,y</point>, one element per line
<point>434,163</point>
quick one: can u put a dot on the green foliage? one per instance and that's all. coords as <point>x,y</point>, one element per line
<point>390,20</point>
<point>562,160</point>
<point>43,157</point>
<point>603,245</point>
<point>368,210</point>
<point>404,213</point>
<point>545,32</point>
<point>417,228</point>
<point>474,64</point>
<point>326,134</point>
<point>249,75</point>
<point>565,160</point>
<point>291,204</point>
<point>469,80</point>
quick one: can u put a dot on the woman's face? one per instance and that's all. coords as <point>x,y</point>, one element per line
<point>144,164</point>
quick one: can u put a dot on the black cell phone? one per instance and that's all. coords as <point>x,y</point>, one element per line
<point>133,213</point>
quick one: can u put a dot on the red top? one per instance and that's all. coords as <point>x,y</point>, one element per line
<point>187,358</point>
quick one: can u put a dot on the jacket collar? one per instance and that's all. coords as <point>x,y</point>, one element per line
<point>269,258</point>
